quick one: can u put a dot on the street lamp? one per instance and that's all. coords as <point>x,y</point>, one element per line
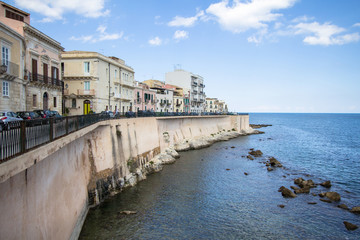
<point>3,69</point>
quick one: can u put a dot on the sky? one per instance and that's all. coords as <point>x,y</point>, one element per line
<point>298,56</point>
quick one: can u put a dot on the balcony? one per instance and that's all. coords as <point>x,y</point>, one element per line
<point>162,103</point>
<point>194,84</point>
<point>117,95</point>
<point>82,92</point>
<point>10,70</point>
<point>44,80</point>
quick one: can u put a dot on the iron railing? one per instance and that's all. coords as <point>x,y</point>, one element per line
<point>34,77</point>
<point>19,137</point>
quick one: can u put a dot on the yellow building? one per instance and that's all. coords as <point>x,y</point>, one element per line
<point>96,83</point>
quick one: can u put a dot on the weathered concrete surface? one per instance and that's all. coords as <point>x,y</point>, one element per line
<point>46,192</point>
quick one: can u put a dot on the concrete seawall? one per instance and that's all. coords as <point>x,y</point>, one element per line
<point>45,193</point>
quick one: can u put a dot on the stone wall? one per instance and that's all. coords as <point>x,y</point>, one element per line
<point>45,193</point>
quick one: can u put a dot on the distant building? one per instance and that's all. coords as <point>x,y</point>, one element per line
<point>39,62</point>
<point>214,105</point>
<point>178,97</point>
<point>144,97</point>
<point>95,83</point>
<point>192,83</point>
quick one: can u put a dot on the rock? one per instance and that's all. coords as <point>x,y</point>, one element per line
<point>297,181</point>
<point>334,196</point>
<point>267,164</point>
<point>325,200</point>
<point>199,143</point>
<point>321,194</point>
<point>281,189</point>
<point>130,180</point>
<point>343,206</point>
<point>256,153</point>
<point>287,193</point>
<point>172,152</point>
<point>294,188</point>
<point>232,146</point>
<point>249,157</point>
<point>350,226</point>
<point>307,183</point>
<point>302,190</point>
<point>165,158</point>
<point>284,176</point>
<point>270,169</point>
<point>274,162</point>
<point>246,173</point>
<point>127,212</point>
<point>281,205</point>
<point>228,169</point>
<point>314,194</point>
<point>326,184</point>
<point>355,210</point>
<point>251,149</point>
<point>312,203</point>
<point>182,146</point>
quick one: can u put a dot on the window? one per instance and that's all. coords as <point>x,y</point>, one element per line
<point>14,16</point>
<point>87,67</point>
<point>73,103</point>
<point>34,100</point>
<point>5,89</point>
<point>115,73</point>
<point>87,85</point>
<point>5,56</point>
<point>55,102</point>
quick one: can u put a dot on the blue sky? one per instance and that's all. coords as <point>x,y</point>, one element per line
<point>258,55</point>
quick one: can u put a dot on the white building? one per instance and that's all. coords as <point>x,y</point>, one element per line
<point>189,82</point>
<point>164,100</point>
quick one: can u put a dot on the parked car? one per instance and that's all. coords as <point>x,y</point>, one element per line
<point>109,114</point>
<point>130,114</point>
<point>9,118</point>
<point>54,114</point>
<point>2,125</point>
<point>41,113</point>
<point>28,115</point>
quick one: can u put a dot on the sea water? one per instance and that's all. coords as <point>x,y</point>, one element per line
<point>206,195</point>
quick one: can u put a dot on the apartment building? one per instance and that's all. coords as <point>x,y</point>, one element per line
<point>178,97</point>
<point>12,93</point>
<point>212,105</point>
<point>144,97</point>
<point>39,63</point>
<point>192,83</point>
<point>96,83</point>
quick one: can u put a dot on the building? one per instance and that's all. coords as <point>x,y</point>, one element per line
<point>41,61</point>
<point>144,97</point>
<point>178,97</point>
<point>223,108</point>
<point>212,105</point>
<point>164,99</point>
<point>96,83</point>
<point>190,83</point>
<point>12,93</point>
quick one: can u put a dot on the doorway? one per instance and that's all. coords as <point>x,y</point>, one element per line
<point>86,107</point>
<point>45,101</point>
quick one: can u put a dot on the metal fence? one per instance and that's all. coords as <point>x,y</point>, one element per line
<point>17,138</point>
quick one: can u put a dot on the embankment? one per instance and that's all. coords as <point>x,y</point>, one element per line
<point>46,193</point>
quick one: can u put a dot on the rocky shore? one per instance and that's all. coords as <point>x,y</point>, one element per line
<point>303,186</point>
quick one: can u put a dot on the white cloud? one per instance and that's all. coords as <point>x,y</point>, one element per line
<point>102,36</point>
<point>55,9</point>
<point>356,25</point>
<point>324,34</point>
<point>156,41</point>
<point>302,19</point>
<point>240,17</point>
<point>180,34</point>
<point>185,22</point>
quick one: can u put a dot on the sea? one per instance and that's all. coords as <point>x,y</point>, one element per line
<point>207,195</point>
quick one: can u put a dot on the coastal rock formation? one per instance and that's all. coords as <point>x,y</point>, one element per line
<point>326,200</point>
<point>304,183</point>
<point>182,146</point>
<point>256,153</point>
<point>355,210</point>
<point>350,226</point>
<point>130,180</point>
<point>172,152</point>
<point>249,157</point>
<point>343,206</point>
<point>274,162</point>
<point>302,190</point>
<point>127,212</point>
<point>287,193</point>
<point>326,184</point>
<point>334,196</point>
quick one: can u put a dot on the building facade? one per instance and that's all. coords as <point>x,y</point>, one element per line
<point>144,97</point>
<point>39,64</point>
<point>94,83</point>
<point>192,83</point>
<point>12,92</point>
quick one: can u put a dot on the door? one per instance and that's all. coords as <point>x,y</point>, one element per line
<point>45,101</point>
<point>86,107</point>
<point>34,70</point>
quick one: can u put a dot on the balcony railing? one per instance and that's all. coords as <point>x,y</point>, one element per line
<point>11,68</point>
<point>117,95</point>
<point>45,80</point>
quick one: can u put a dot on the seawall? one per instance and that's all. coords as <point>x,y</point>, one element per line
<point>46,193</point>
